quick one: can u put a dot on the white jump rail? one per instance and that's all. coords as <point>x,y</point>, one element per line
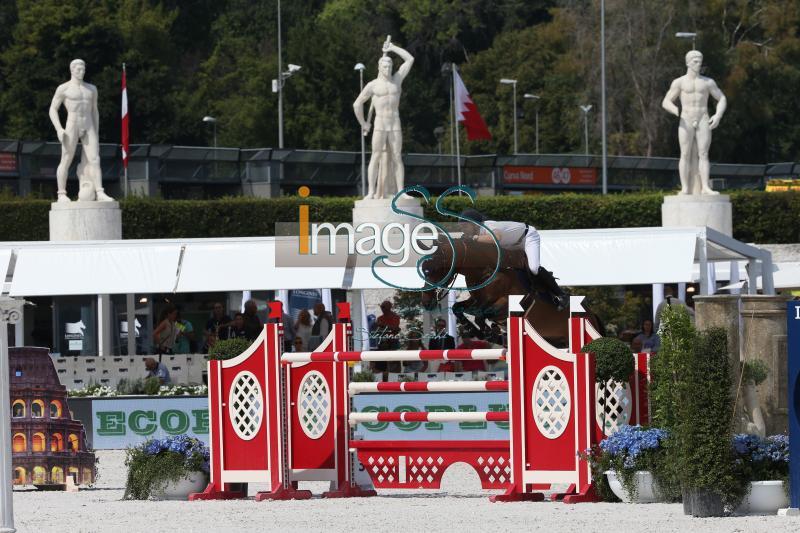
<point>492,416</point>
<point>427,386</point>
<point>487,354</point>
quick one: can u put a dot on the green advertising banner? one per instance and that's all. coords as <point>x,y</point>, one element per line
<point>121,422</point>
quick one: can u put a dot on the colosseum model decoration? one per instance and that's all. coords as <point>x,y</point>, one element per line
<point>47,444</point>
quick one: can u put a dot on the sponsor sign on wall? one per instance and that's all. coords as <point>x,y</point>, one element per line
<point>8,162</point>
<point>432,402</point>
<point>565,176</point>
<point>123,422</point>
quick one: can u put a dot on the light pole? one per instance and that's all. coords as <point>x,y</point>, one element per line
<point>687,35</point>
<point>447,72</point>
<point>360,68</point>
<point>277,87</point>
<point>213,121</point>
<point>603,93</point>
<point>513,83</point>
<point>586,109</point>
<point>439,133</point>
<point>535,98</point>
<point>10,313</point>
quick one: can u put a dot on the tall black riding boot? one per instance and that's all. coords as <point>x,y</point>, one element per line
<point>546,278</point>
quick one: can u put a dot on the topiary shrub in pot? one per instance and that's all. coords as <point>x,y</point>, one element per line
<point>613,363</point>
<point>667,392</point>
<point>228,348</point>
<point>706,462</point>
<point>169,468</point>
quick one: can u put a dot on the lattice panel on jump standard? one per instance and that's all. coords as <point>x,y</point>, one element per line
<point>314,405</point>
<point>425,470</point>
<point>245,406</point>
<point>551,402</point>
<point>615,402</point>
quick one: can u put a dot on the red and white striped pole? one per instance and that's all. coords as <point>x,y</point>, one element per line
<point>490,354</point>
<point>428,386</point>
<point>496,416</point>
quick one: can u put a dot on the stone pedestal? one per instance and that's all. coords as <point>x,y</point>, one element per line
<point>379,211</point>
<point>689,210</point>
<point>764,337</point>
<point>85,221</point>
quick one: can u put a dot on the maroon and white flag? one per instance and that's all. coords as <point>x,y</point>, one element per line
<point>125,121</point>
<point>467,112</point>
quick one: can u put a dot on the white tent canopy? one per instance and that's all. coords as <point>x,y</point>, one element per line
<point>619,256</point>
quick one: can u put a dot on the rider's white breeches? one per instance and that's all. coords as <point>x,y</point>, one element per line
<point>532,241</point>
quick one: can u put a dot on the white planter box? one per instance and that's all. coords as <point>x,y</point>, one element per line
<point>180,490</point>
<point>646,488</point>
<point>765,497</point>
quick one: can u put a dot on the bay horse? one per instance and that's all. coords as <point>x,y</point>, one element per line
<point>476,261</point>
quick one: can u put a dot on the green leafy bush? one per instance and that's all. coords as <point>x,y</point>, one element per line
<point>228,348</point>
<point>154,463</point>
<point>755,370</point>
<point>758,216</point>
<point>363,376</point>
<point>613,360</point>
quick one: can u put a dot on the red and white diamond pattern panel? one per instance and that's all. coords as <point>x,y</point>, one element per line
<point>616,402</point>
<point>314,405</point>
<point>246,405</point>
<point>551,402</point>
<point>425,470</point>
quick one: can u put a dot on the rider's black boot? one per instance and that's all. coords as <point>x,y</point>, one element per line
<point>547,280</point>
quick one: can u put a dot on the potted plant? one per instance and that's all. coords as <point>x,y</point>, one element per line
<point>613,363</point>
<point>764,467</point>
<point>754,372</point>
<point>166,469</point>
<point>630,460</point>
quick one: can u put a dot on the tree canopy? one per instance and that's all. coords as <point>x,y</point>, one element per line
<point>218,57</point>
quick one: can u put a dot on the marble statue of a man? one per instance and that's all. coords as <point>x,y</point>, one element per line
<point>83,124</point>
<point>387,136</point>
<point>694,127</point>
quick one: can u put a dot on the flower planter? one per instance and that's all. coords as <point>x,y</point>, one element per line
<point>646,487</point>
<point>702,503</point>
<point>180,490</point>
<point>764,497</point>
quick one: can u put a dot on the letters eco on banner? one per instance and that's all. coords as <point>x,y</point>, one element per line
<point>120,423</point>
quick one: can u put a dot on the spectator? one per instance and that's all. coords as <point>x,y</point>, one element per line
<point>373,339</point>
<point>166,331</point>
<point>323,321</point>
<point>217,324</point>
<point>158,370</point>
<point>297,345</point>
<point>670,299</point>
<point>302,328</point>
<point>414,342</point>
<point>238,329</point>
<point>469,342</point>
<point>647,339</point>
<point>211,340</point>
<point>440,339</point>
<point>387,329</point>
<point>288,330</point>
<point>185,340</point>
<point>252,324</point>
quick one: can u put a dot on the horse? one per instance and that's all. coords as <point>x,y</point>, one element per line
<point>476,261</point>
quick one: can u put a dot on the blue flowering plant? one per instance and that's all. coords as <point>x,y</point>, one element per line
<point>157,462</point>
<point>762,459</point>
<point>630,449</point>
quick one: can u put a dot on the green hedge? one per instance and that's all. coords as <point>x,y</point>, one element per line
<point>758,216</point>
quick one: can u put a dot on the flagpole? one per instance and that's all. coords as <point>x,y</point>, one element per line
<point>124,159</point>
<point>455,122</point>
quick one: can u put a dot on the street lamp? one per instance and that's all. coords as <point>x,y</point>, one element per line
<point>277,87</point>
<point>586,109</point>
<point>535,98</point>
<point>439,133</point>
<point>360,68</point>
<point>687,35</point>
<point>211,120</point>
<point>513,83</point>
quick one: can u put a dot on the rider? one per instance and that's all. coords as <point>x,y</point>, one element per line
<point>514,236</point>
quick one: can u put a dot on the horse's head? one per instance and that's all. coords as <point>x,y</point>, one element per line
<point>435,270</point>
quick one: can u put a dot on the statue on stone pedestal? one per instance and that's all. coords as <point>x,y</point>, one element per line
<point>387,136</point>
<point>83,124</point>
<point>694,128</point>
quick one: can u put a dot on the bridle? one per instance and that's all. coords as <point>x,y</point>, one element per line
<point>440,292</point>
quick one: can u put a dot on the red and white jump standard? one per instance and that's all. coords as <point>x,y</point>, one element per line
<point>282,419</point>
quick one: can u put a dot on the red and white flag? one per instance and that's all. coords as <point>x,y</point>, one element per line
<point>125,121</point>
<point>467,112</point>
